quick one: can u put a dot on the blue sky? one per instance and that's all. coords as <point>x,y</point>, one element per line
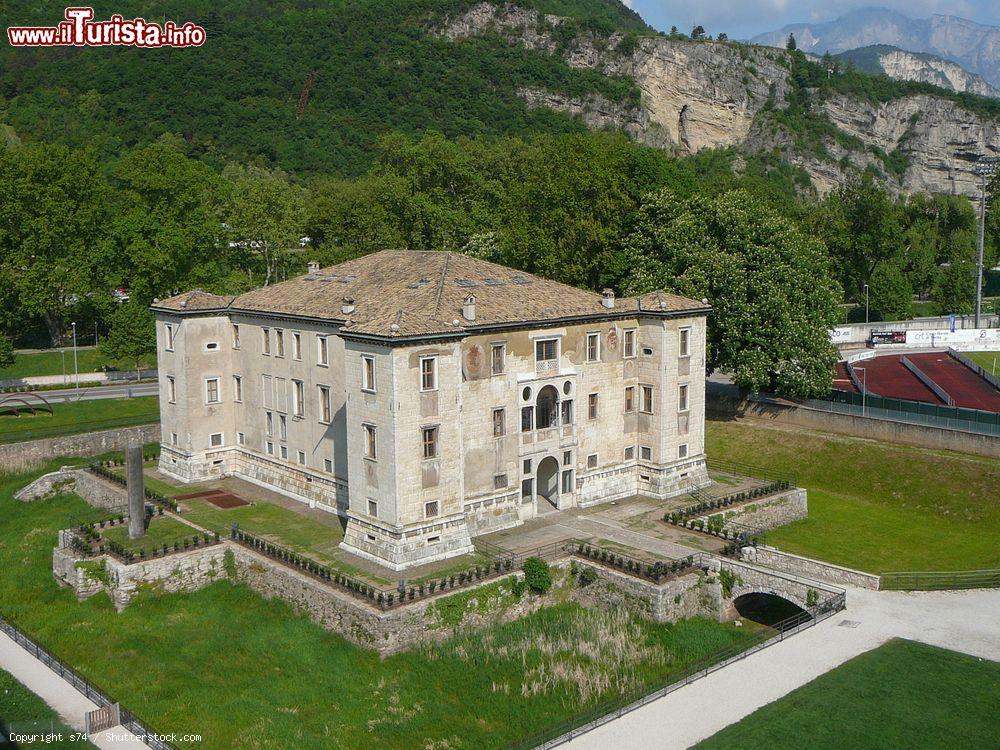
<point>744,18</point>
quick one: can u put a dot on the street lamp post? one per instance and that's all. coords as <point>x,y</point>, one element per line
<point>866,304</point>
<point>76,363</point>
<point>986,168</point>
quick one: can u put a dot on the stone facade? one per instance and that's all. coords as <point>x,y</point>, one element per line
<point>691,595</point>
<point>768,512</point>
<point>423,441</point>
<point>809,568</point>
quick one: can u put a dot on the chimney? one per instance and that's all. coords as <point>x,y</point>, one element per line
<point>469,308</point>
<point>608,298</point>
<point>313,267</point>
<point>348,307</point>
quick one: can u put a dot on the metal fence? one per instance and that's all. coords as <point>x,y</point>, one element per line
<point>128,719</point>
<point>911,412</point>
<point>614,708</point>
<point>939,580</point>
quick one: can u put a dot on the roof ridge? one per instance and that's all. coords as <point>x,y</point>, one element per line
<point>441,282</point>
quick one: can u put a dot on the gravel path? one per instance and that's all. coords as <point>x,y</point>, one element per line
<point>966,621</point>
<point>70,704</point>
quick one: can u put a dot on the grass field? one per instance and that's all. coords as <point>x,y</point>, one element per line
<point>989,361</point>
<point>59,361</point>
<point>901,695</point>
<point>876,506</point>
<point>23,712</point>
<point>248,673</point>
<point>82,416</point>
<point>161,531</point>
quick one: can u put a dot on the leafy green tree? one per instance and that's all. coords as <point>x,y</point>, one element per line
<point>773,297</point>
<point>698,32</point>
<point>790,44</point>
<point>7,356</point>
<point>890,292</point>
<point>132,337</point>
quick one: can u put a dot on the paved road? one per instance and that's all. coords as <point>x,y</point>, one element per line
<point>70,704</point>
<point>966,621</point>
<point>65,395</point>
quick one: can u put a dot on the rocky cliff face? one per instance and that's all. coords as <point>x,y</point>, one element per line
<point>697,95</point>
<point>907,66</point>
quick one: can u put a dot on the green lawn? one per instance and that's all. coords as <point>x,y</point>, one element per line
<point>58,361</point>
<point>23,712</point>
<point>161,531</point>
<point>876,506</point>
<point>901,695</point>
<point>246,672</point>
<point>82,416</point>
<point>989,361</point>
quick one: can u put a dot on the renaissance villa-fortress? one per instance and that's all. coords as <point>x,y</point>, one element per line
<point>430,397</point>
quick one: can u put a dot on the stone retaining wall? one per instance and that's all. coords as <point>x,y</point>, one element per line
<point>21,456</point>
<point>809,568</point>
<point>770,512</point>
<point>96,491</point>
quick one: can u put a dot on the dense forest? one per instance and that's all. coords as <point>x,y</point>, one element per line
<point>352,124</point>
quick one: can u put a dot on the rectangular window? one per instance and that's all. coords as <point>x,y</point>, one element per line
<point>630,453</point>
<point>566,407</point>
<point>527,418</point>
<point>283,425</point>
<point>297,345</point>
<point>173,438</point>
<point>368,373</point>
<point>592,461</point>
<point>265,341</point>
<point>682,398</point>
<point>499,423</point>
<point>298,398</point>
<point>269,447</point>
<point>499,481</point>
<point>682,450</point>
<point>646,452</point>
<point>372,508</point>
<point>328,466</point>
<point>430,442</point>
<point>215,440</point>
<point>237,388</point>
<point>302,458</point>
<point>628,345</point>
<point>171,389</point>
<point>279,342</point>
<point>241,438</point>
<point>428,374</point>
<point>498,359</point>
<point>168,331</point>
<point>370,451</point>
<point>630,398</point>
<point>526,466</point>
<point>593,347</point>
<point>431,509</point>
<point>546,350</point>
<point>647,399</point>
<point>685,342</point>
<point>527,489</point>
<point>267,391</point>
<point>567,458</point>
<point>322,351</point>
<point>567,482</point>
<point>268,423</point>
<point>236,336</point>
<point>324,404</point>
<point>211,390</point>
<point>284,451</point>
<point>592,406</point>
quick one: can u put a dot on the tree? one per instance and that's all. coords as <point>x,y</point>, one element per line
<point>791,45</point>
<point>265,215</point>
<point>723,36</point>
<point>698,32</point>
<point>6,352</point>
<point>132,336</point>
<point>890,292</point>
<point>769,284</point>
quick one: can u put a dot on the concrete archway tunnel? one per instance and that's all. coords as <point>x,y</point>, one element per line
<point>766,608</point>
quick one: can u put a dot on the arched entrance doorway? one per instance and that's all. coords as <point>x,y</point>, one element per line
<point>770,609</point>
<point>547,482</point>
<point>547,408</point>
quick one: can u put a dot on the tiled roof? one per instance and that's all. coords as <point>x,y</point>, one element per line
<point>194,300</point>
<point>408,293</point>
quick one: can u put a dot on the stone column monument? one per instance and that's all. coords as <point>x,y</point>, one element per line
<point>136,492</point>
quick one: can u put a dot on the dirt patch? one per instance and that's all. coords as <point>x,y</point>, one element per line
<point>203,493</point>
<point>226,501</point>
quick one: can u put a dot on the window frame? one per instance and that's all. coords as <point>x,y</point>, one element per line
<point>222,440</point>
<point>646,399</point>
<point>238,389</point>
<point>630,341</point>
<point>683,398</point>
<point>500,412</point>
<point>171,390</point>
<point>218,391</point>
<point>168,337</point>
<point>592,461</point>
<point>629,399</point>
<point>297,346</point>
<point>554,341</point>
<point>236,335</point>
<point>593,406</point>
<point>279,343</point>
<point>430,449</point>
<point>500,346</point>
<point>684,342</point>
<point>593,346</point>
<point>368,383</point>
<point>433,372</point>
<point>427,509</point>
<point>322,350</point>
<point>370,432</point>
<point>265,341</point>
<point>325,404</point>
<point>298,398</point>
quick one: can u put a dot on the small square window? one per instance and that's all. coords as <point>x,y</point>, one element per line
<point>499,423</point>
<point>499,481</point>
<point>546,350</point>
<point>498,359</point>
<point>592,461</point>
<point>215,440</point>
<point>372,508</point>
<point>428,374</point>
<point>431,509</point>
<point>682,450</point>
<point>646,453</point>
<point>327,465</point>
<point>630,453</point>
